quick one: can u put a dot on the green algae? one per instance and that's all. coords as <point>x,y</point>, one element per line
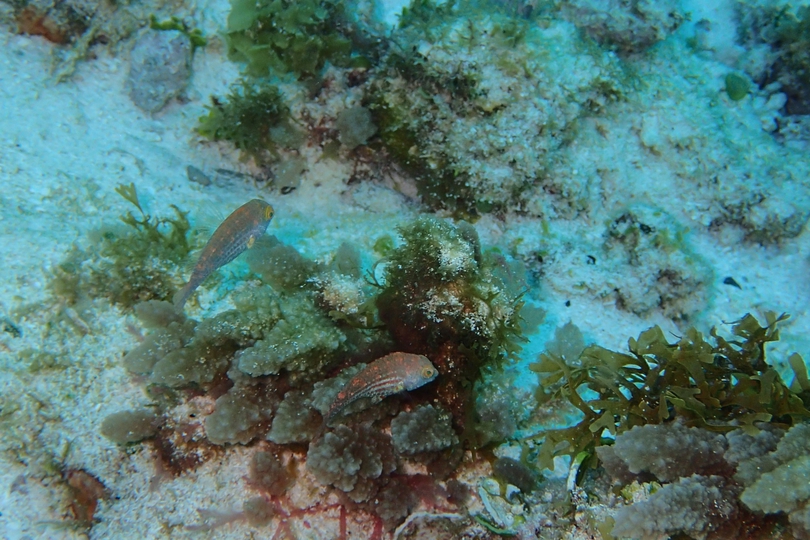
<point>737,86</point>
<point>712,382</point>
<point>288,37</point>
<point>253,117</point>
<point>128,265</point>
<point>194,35</point>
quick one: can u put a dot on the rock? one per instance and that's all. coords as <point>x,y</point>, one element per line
<point>160,66</point>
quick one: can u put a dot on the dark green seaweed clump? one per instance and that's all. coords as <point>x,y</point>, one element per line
<point>253,117</point>
<point>713,383</point>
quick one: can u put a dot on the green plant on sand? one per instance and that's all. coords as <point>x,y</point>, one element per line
<point>253,117</point>
<point>133,264</point>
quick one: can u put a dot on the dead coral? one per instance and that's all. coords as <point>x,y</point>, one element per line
<point>697,506</point>
<point>628,26</point>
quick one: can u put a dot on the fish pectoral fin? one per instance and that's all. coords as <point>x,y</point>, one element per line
<point>251,241</point>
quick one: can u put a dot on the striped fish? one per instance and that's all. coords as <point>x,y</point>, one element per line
<point>234,235</point>
<point>383,377</point>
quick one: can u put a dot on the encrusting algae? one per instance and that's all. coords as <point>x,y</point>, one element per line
<point>237,233</point>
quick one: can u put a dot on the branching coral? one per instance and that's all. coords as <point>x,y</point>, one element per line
<point>720,485</point>
<point>697,506</point>
<point>351,459</point>
<point>424,429</point>
<point>777,481</point>
<point>667,451</point>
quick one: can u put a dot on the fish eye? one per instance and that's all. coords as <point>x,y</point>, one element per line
<point>427,373</point>
<point>268,212</point>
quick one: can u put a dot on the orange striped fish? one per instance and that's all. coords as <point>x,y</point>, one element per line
<point>234,235</point>
<point>383,377</point>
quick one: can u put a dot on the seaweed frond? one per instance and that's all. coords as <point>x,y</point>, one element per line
<point>714,383</point>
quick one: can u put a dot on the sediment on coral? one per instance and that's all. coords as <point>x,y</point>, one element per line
<point>446,113</point>
<point>628,26</point>
<point>754,476</point>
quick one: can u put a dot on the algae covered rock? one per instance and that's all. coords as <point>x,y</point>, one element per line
<point>424,429</point>
<point>628,26</point>
<point>667,275</point>
<point>355,126</point>
<point>448,114</point>
<point>130,426</point>
<point>160,66</point>
<point>515,473</point>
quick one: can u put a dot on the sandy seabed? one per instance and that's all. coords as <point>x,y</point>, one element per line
<point>65,147</point>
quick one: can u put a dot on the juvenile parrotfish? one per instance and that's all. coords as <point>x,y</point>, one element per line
<point>233,236</point>
<point>383,377</point>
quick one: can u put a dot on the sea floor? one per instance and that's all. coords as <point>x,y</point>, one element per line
<point>65,147</point>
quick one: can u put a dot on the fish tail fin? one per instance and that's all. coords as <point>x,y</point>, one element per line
<point>181,296</point>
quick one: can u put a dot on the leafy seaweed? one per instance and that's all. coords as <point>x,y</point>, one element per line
<point>714,383</point>
<point>253,117</point>
<point>170,231</point>
<point>128,265</point>
<point>288,36</point>
<point>195,35</point>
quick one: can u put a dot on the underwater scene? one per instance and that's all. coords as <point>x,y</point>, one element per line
<point>404,269</point>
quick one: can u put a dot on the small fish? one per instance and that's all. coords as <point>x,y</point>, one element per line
<point>383,377</point>
<point>234,235</point>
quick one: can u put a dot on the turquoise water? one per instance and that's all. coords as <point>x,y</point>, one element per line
<point>504,289</point>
